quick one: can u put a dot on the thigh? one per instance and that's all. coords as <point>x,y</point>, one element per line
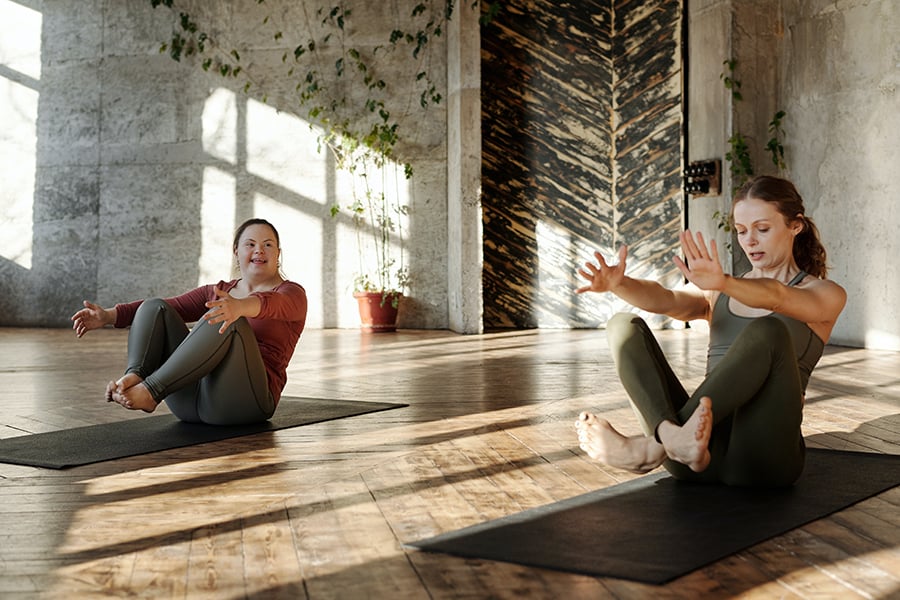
<point>756,396</point>
<point>156,331</point>
<point>655,392</point>
<point>236,391</point>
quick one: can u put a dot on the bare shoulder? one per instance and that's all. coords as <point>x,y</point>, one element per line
<point>826,286</point>
<point>829,292</point>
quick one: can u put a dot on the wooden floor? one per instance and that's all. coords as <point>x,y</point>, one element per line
<point>324,511</point>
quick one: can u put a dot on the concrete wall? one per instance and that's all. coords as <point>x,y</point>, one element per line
<point>840,73</point>
<point>125,173</point>
<point>834,69</point>
<point>120,168</point>
<point>464,226</point>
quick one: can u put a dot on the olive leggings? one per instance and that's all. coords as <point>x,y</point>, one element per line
<point>756,398</point>
<point>204,376</point>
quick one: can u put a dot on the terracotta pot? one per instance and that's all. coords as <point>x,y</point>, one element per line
<point>377,311</point>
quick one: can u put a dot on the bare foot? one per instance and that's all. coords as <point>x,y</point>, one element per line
<point>130,392</point>
<point>110,390</point>
<point>689,443</point>
<point>114,389</point>
<point>603,443</point>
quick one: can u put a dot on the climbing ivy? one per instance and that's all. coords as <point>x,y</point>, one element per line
<point>738,154</point>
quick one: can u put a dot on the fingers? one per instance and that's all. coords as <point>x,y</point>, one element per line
<point>713,251</point>
<point>701,246</point>
<point>687,244</point>
<point>694,245</point>
<point>681,266</point>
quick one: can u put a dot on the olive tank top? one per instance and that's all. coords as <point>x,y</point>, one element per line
<point>725,327</point>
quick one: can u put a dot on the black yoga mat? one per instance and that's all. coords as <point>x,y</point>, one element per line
<point>96,443</point>
<point>655,529</point>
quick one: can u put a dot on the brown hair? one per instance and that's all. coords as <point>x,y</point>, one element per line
<point>808,249</point>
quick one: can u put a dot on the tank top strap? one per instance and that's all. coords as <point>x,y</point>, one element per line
<point>797,278</point>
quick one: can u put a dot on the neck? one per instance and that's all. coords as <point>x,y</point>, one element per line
<point>261,284</point>
<point>783,273</point>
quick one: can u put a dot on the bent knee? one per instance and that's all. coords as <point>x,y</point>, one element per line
<point>623,322</point>
<point>152,304</point>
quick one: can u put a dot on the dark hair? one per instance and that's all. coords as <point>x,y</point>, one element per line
<point>808,249</point>
<point>240,231</point>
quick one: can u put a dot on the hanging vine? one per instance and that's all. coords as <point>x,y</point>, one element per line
<point>341,86</point>
<point>738,153</point>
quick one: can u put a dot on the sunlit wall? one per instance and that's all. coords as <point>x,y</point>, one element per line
<point>20,78</point>
<point>273,162</point>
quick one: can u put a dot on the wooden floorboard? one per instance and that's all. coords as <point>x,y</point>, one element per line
<point>326,510</point>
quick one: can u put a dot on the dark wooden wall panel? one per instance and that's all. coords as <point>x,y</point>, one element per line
<point>647,98</point>
<point>581,149</point>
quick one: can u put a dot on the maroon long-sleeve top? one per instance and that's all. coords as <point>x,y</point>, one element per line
<point>277,327</point>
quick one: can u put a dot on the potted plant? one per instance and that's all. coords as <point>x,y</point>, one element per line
<point>378,217</point>
<point>356,104</point>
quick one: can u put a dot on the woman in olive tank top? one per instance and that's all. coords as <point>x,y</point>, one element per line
<point>768,329</point>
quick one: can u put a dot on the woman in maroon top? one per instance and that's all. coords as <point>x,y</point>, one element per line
<point>231,367</point>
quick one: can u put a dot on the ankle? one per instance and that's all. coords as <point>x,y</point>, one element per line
<point>664,431</point>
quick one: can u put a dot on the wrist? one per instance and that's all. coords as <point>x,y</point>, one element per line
<point>726,279</point>
<point>250,306</point>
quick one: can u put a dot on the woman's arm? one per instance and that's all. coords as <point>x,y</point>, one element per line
<point>92,316</point>
<point>684,305</point>
<point>286,303</point>
<point>226,310</point>
<point>818,302</point>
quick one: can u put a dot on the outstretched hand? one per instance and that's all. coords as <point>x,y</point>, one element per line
<point>92,316</point>
<point>703,268</point>
<point>225,310</point>
<point>603,278</point>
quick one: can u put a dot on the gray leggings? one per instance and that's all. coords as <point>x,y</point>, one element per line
<point>203,376</point>
<point>756,398</point>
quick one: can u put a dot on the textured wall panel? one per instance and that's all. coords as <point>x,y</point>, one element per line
<point>581,149</point>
